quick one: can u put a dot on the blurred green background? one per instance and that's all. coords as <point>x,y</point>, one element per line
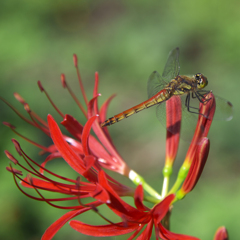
<point>124,41</point>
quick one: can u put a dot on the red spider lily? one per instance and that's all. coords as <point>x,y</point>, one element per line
<point>84,153</point>
<point>87,156</point>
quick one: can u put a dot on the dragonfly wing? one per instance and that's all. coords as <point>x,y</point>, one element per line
<point>155,84</point>
<point>172,67</point>
<point>224,109</point>
<point>188,121</point>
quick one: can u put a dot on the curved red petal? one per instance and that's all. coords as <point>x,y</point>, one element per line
<point>100,194</point>
<point>53,229</point>
<point>160,210</point>
<point>205,118</point>
<point>166,235</point>
<point>197,166</point>
<point>117,162</point>
<point>138,198</point>
<point>75,128</point>
<point>85,134</point>
<point>103,230</point>
<point>63,147</point>
<point>147,233</point>
<point>103,115</point>
<point>173,120</point>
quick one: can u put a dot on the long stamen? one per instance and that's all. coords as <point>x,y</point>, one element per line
<point>75,61</point>
<point>23,102</point>
<point>65,85</point>
<point>17,112</point>
<point>22,153</point>
<point>50,100</point>
<point>63,188</point>
<point>36,124</point>
<point>25,138</point>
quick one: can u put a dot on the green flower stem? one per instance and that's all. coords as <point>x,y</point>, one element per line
<point>167,172</point>
<point>151,199</point>
<point>165,186</point>
<point>183,171</point>
<point>137,179</point>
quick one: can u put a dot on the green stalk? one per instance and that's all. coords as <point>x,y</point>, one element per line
<point>137,179</point>
<point>183,171</point>
<point>167,172</point>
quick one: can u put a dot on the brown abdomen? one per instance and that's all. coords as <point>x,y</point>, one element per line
<point>161,96</point>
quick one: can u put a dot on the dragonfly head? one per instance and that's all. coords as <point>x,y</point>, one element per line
<point>201,80</point>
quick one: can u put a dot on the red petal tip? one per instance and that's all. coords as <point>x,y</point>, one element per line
<point>9,125</point>
<point>49,117</point>
<point>11,157</point>
<point>96,76</point>
<point>63,80</point>
<point>75,60</point>
<point>40,86</point>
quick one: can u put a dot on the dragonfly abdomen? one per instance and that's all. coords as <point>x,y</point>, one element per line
<point>161,96</point>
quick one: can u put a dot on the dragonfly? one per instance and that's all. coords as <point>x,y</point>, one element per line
<point>171,84</point>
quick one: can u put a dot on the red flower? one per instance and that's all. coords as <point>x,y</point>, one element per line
<point>84,153</point>
<point>89,156</point>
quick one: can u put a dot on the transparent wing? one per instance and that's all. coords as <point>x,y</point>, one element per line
<point>224,109</point>
<point>172,67</point>
<point>155,84</point>
<point>188,120</point>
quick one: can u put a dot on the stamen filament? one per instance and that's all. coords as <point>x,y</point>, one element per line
<point>75,60</point>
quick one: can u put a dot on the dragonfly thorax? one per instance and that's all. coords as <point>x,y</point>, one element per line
<point>201,80</point>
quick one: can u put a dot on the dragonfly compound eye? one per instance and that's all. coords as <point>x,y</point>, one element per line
<point>201,81</point>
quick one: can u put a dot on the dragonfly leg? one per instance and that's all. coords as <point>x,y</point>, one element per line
<point>200,96</point>
<point>193,95</point>
<point>187,104</point>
